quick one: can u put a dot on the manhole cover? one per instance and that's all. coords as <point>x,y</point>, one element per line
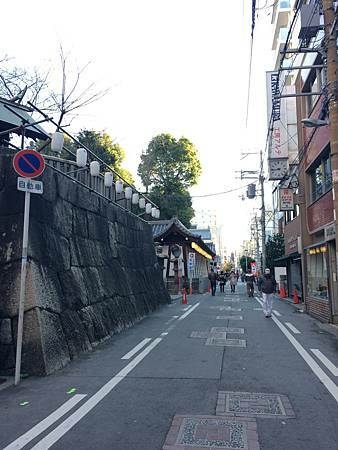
<point>254,405</point>
<point>212,432</point>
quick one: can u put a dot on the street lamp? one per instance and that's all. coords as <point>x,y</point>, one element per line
<point>314,123</point>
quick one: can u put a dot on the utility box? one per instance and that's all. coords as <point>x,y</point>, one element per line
<point>251,191</point>
<point>309,21</point>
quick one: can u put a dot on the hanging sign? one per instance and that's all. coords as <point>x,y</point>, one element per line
<point>28,163</point>
<point>286,202</point>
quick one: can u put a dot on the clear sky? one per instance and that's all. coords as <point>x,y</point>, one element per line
<point>177,66</point>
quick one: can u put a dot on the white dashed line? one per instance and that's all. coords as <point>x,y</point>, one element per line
<point>316,369</point>
<point>31,434</point>
<point>136,348</point>
<point>188,312</point>
<point>278,314</point>
<point>327,363</point>
<point>292,328</point>
<point>74,418</point>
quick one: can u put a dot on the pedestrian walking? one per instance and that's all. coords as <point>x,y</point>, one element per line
<point>250,286</point>
<point>213,280</point>
<point>267,285</point>
<point>233,281</point>
<point>222,281</point>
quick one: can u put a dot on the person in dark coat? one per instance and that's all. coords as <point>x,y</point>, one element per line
<point>250,284</point>
<point>213,280</point>
<point>267,285</point>
<point>222,281</point>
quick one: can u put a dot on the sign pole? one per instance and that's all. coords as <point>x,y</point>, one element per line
<point>22,287</point>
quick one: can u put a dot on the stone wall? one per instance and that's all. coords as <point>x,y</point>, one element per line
<point>92,271</point>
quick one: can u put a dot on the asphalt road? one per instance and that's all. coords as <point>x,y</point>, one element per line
<point>179,365</point>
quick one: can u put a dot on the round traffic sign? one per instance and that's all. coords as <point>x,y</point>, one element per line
<point>28,163</point>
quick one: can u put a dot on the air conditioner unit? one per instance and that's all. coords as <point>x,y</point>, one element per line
<point>309,21</point>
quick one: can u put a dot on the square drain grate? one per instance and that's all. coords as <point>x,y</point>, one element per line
<point>217,433</point>
<point>254,405</point>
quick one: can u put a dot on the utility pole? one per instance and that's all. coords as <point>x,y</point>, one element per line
<point>261,181</point>
<point>332,88</point>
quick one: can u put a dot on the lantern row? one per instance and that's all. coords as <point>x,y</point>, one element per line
<point>94,169</point>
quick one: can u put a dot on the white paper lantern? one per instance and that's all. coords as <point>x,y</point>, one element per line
<point>94,169</point>
<point>57,142</point>
<point>142,203</point>
<point>157,213</point>
<point>148,208</point>
<point>128,192</point>
<point>119,187</point>
<point>108,179</point>
<point>153,212</point>
<point>135,198</point>
<point>81,157</point>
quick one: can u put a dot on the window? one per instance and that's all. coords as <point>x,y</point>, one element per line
<point>313,83</point>
<point>317,282</point>
<point>321,177</point>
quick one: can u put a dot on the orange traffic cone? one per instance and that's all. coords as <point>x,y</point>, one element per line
<point>184,298</point>
<point>282,292</point>
<point>295,297</point>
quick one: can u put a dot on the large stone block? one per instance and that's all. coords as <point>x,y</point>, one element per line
<point>11,238</point>
<point>75,334</point>
<point>55,351</point>
<point>93,284</point>
<point>44,287</point>
<point>7,359</point>
<point>93,325</point>
<point>97,227</point>
<point>49,178</point>
<point>74,293</point>
<point>32,360</point>
<point>6,337</point>
<point>85,252</point>
<point>80,224</point>
<point>48,247</point>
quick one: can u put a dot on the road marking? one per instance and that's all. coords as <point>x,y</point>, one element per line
<point>258,309</point>
<point>278,314</point>
<point>316,369</point>
<point>170,320</point>
<point>164,334</point>
<point>188,312</point>
<point>136,348</point>
<point>327,363</point>
<point>45,423</point>
<point>74,418</point>
<point>292,328</point>
<point>186,309</point>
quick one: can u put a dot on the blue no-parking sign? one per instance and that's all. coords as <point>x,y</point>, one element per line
<point>28,163</point>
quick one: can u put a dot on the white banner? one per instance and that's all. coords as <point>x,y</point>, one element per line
<point>276,108</point>
<point>286,202</point>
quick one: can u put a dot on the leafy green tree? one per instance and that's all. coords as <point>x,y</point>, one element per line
<point>245,263</point>
<point>167,169</point>
<point>176,203</point>
<point>274,249</point>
